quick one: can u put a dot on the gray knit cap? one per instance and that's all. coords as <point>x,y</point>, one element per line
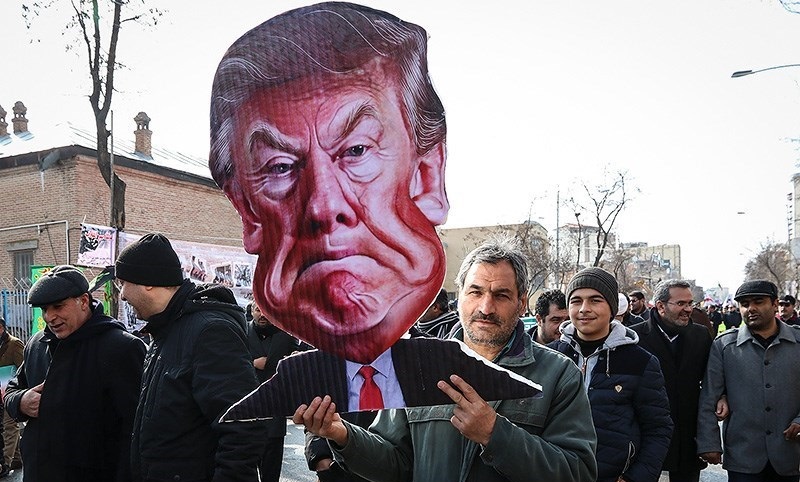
<point>600,280</point>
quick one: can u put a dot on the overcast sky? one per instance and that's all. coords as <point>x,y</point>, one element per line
<point>539,96</point>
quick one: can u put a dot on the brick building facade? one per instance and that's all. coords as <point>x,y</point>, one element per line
<point>41,210</point>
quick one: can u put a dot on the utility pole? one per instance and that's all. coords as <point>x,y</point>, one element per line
<point>580,241</point>
<point>558,257</point>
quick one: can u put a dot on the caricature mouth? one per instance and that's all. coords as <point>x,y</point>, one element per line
<point>324,256</point>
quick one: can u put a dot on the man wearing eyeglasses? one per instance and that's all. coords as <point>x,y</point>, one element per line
<point>786,310</point>
<point>682,348</point>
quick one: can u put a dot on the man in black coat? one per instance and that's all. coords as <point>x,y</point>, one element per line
<point>268,345</point>
<point>198,365</point>
<point>79,422</point>
<point>682,348</point>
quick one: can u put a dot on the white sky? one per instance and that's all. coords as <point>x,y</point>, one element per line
<point>539,94</point>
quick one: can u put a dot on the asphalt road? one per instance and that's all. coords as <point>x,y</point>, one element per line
<point>295,469</point>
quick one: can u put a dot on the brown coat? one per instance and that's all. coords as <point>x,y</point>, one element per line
<point>11,349</point>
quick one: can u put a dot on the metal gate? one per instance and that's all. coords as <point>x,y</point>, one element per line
<point>17,312</point>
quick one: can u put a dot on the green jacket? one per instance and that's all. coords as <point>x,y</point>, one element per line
<point>547,438</point>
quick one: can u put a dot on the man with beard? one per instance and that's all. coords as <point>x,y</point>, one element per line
<point>550,436</point>
<point>197,366</point>
<point>550,312</point>
<point>269,345</point>
<point>681,347</point>
<point>757,367</point>
<point>639,305</point>
<point>787,313</point>
<point>438,320</point>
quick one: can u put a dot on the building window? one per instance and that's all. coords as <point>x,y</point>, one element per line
<point>23,260</point>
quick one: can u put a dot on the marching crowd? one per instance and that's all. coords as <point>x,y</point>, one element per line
<point>624,404</point>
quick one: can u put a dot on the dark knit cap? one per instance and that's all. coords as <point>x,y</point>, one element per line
<point>58,284</point>
<point>150,261</point>
<point>600,280</point>
<point>759,287</point>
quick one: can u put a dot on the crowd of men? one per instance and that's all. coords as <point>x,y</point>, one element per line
<point>637,401</point>
<point>329,140</point>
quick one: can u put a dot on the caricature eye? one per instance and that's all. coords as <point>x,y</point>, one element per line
<point>354,151</point>
<point>280,167</point>
<point>276,177</point>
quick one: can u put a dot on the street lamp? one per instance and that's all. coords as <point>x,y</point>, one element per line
<point>742,73</point>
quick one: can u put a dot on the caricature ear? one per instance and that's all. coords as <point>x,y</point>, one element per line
<point>427,186</point>
<point>251,224</point>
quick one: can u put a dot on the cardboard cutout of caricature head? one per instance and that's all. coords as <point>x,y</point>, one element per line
<point>329,139</point>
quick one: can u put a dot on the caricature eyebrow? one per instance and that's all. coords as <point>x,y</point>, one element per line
<point>266,135</point>
<point>363,110</point>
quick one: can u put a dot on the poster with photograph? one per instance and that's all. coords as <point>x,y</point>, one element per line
<point>96,246</point>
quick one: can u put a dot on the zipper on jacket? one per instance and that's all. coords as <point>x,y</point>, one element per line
<point>631,454</point>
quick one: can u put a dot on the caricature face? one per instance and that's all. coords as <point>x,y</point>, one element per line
<point>340,209</point>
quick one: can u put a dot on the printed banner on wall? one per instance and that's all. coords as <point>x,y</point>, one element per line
<point>230,266</point>
<point>97,246</point>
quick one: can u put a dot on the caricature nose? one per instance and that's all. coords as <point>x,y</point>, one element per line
<point>328,206</point>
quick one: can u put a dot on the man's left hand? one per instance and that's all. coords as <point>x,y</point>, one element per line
<point>473,417</point>
<point>792,433</point>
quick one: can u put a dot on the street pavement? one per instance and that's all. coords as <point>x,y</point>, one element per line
<point>295,469</point>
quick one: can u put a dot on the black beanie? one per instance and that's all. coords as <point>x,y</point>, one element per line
<point>150,261</point>
<point>600,280</point>
<point>58,284</point>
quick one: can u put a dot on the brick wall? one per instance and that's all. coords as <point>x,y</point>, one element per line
<point>74,191</point>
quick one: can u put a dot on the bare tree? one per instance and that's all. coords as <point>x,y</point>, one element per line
<point>98,25</point>
<point>619,263</point>
<point>604,202</point>
<point>536,249</point>
<point>773,262</point>
<point>792,6</point>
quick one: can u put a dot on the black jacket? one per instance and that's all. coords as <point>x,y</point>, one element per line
<point>682,375</point>
<point>196,367</point>
<point>274,344</point>
<point>629,406</point>
<point>83,430</point>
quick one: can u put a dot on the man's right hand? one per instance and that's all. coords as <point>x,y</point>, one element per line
<point>321,418</point>
<point>723,410</point>
<point>29,403</point>
<point>713,458</point>
<point>260,363</point>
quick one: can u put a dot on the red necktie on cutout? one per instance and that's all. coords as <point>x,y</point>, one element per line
<point>370,397</point>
